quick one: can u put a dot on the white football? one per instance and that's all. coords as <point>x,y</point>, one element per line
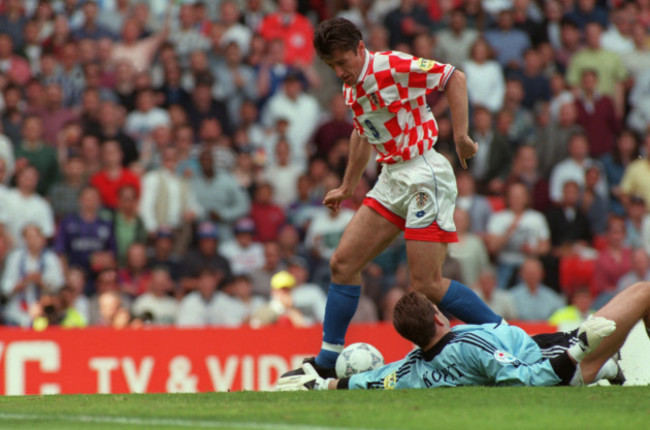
<point>356,358</point>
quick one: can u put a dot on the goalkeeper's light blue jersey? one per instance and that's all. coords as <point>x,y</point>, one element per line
<point>469,355</point>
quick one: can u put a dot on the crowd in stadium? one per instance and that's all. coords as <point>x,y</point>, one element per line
<point>165,162</point>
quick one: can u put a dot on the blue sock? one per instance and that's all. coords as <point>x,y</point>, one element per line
<point>465,305</point>
<point>342,302</point>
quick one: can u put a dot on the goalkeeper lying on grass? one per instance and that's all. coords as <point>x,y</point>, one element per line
<point>492,354</point>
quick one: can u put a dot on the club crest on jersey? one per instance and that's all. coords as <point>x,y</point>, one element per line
<point>390,381</point>
<point>421,200</point>
<point>425,64</point>
<point>374,99</point>
<point>504,357</point>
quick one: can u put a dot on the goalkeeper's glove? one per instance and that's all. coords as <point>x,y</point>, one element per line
<point>309,381</point>
<point>590,334</point>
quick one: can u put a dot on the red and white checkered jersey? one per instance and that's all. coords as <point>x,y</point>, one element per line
<point>389,103</point>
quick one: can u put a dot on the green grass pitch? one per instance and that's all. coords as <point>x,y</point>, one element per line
<point>458,408</point>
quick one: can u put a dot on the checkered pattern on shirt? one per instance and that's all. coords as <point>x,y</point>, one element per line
<point>389,104</point>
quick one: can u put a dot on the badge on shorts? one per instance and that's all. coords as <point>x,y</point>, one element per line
<point>421,200</point>
<point>504,357</point>
<point>425,64</point>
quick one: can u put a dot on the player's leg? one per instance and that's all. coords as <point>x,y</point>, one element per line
<point>626,309</point>
<point>425,260</point>
<point>367,234</point>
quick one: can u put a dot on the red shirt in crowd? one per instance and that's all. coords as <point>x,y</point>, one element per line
<point>110,187</point>
<point>295,31</point>
<point>268,220</point>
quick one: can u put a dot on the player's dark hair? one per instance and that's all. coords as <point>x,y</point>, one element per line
<point>336,34</point>
<point>413,318</point>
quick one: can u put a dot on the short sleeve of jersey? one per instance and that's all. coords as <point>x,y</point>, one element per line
<point>412,77</point>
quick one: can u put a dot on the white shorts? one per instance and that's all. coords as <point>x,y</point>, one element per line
<point>419,197</point>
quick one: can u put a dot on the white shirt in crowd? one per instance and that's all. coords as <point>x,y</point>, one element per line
<point>229,311</point>
<point>485,84</point>
<point>243,260</point>
<point>177,194</point>
<point>21,211</point>
<point>194,311</point>
<point>140,124</point>
<point>570,170</point>
<point>19,264</point>
<point>532,229</point>
<point>325,231</point>
<point>284,180</point>
<point>163,309</point>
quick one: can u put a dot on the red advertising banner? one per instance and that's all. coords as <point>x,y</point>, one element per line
<point>159,360</point>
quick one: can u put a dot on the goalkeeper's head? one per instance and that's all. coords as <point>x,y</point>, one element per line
<point>417,319</point>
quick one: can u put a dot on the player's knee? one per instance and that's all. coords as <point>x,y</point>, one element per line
<point>340,268</point>
<point>432,287</point>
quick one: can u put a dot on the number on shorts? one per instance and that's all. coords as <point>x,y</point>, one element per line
<point>373,130</point>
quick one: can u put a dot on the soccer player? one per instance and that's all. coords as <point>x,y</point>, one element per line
<point>416,190</point>
<point>498,354</point>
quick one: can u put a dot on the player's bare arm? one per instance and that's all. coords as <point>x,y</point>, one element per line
<point>358,160</point>
<point>456,92</point>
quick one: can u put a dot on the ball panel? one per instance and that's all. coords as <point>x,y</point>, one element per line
<point>356,358</point>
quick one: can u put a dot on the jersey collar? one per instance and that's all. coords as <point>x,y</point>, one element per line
<point>432,352</point>
<point>364,70</point>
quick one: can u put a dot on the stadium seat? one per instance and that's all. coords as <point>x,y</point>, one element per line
<point>575,272</point>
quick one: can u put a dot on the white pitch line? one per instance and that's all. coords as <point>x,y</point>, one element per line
<point>164,422</point>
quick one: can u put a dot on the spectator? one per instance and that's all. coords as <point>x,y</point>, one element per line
<point>234,31</point>
<point>52,114</point>
<point>236,304</point>
<point>142,121</point>
<point>112,311</point>
<point>303,208</point>
<point>553,23</point>
<point>280,310</point>
<point>571,316</point>
<point>636,217</point>
<point>338,126</point>
<point>113,176</point>
<point>268,217</point>
<point>13,20</point>
<point>30,271</point>
<point>204,107</point>
<point>500,301</point>
<point>608,65</point>
<point>155,306</point>
<point>491,168</point>
<point>283,175</point>
<point>187,38</point>
<point>293,29</point>
<point>33,150</point>
<point>618,36</point>
<point>405,22</point>
<point>615,162</point>
<point>534,300</point>
<point>574,168</point>
<point>205,256</point>
<point>75,281</point>
<point>453,44</point>
<point>243,255</point>
<point>476,205</point>
<point>64,195</point>
<point>635,179</point>
<point>110,129</point>
<point>168,201</point>
<point>236,83</point>
<point>307,297</point>
<point>221,196</point>
<point>485,83</point>
<point>86,240</point>
<point>470,250</point>
<point>596,114</point>
<point>23,206</point>
<point>300,109</point>
<point>614,261</point>
<point>525,169</point>
<point>560,95</point>
<point>261,277</point>
<point>195,309</point>
<point>162,255</point>
<point>172,91</point>
<point>133,50</point>
<point>128,227</point>
<point>134,278</point>
<point>14,67</point>
<point>638,60</point>
<point>593,203</point>
<point>509,43</point>
<point>640,271</point>
<point>567,222</point>
<point>516,233</point>
<point>585,12</point>
<point>12,115</point>
<point>92,27</point>
<point>533,79</point>
<point>69,76</point>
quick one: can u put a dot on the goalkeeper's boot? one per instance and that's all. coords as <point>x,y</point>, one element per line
<point>323,372</point>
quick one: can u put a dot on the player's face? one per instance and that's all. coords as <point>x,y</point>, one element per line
<point>347,64</point>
